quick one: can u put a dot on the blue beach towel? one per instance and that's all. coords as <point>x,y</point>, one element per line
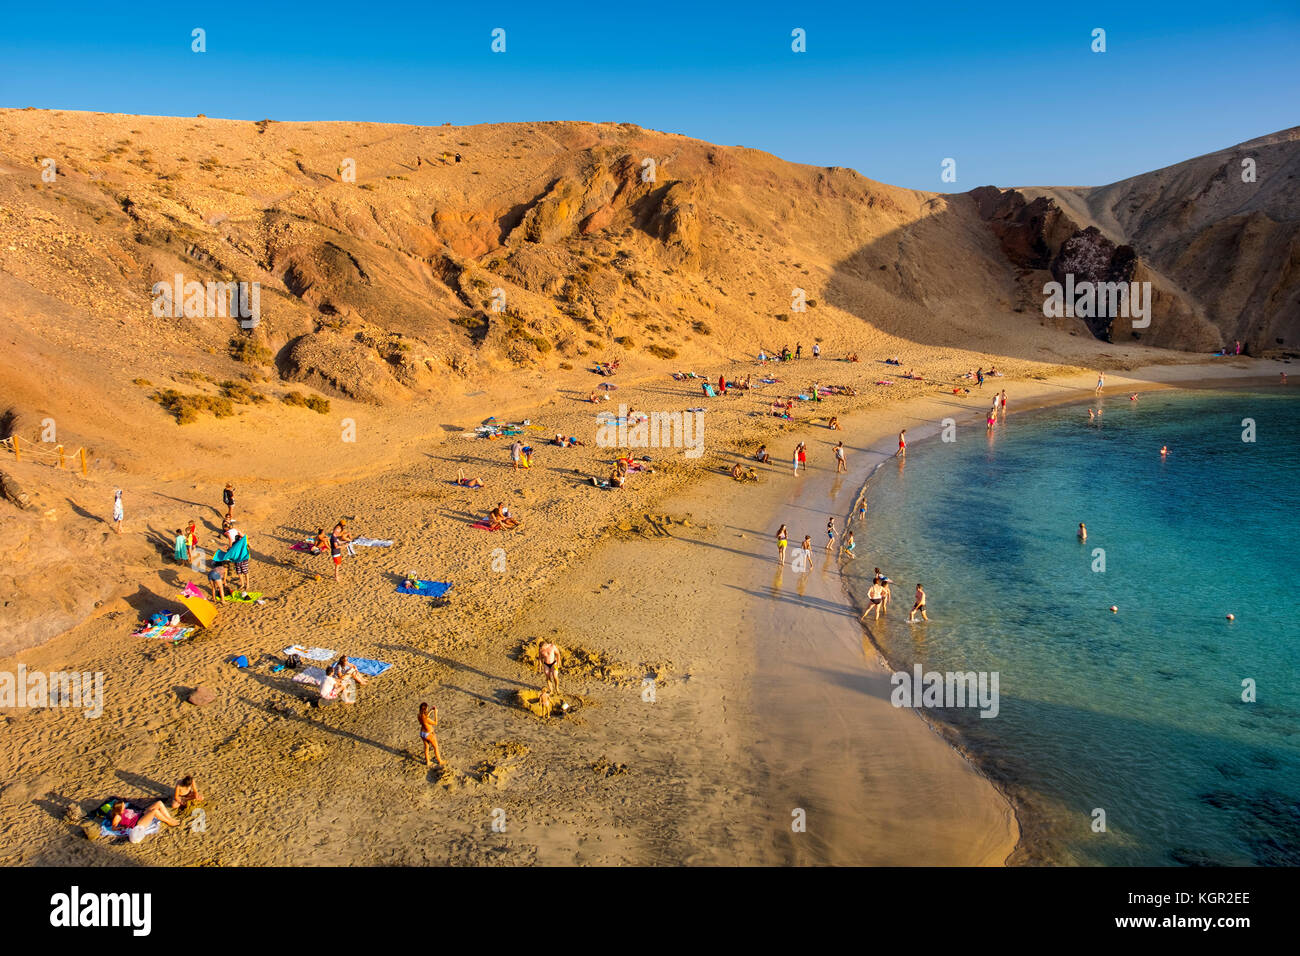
<point>427,588</point>
<point>368,667</point>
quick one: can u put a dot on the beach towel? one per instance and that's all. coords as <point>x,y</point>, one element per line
<point>237,552</point>
<point>427,588</point>
<point>369,667</point>
<point>174,633</point>
<point>372,543</point>
<point>309,653</point>
<point>884,382</point>
<point>310,675</point>
<point>301,546</point>
<point>239,597</point>
<point>484,525</point>
<point>124,833</point>
<point>709,390</point>
<point>191,590</point>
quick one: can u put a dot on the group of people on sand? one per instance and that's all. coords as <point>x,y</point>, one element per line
<point>333,544</point>
<point>136,822</point>
<point>785,355</point>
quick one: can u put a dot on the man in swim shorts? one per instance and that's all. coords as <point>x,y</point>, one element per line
<point>876,600</point>
<point>918,605</point>
<point>548,662</point>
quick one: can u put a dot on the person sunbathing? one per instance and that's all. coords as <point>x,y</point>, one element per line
<point>617,478</point>
<point>467,482</point>
<point>137,822</point>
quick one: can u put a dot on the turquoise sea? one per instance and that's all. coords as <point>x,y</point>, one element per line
<point>1138,714</point>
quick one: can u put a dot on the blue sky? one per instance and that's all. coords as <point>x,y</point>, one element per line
<point>1012,92</point>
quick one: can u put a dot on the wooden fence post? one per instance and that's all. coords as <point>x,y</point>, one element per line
<point>59,449</point>
<point>17,454</point>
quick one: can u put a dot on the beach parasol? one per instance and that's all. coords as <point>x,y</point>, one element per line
<point>204,611</point>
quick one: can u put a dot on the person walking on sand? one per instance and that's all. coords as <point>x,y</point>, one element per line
<point>979,377</point>
<point>817,351</point>
<point>807,552</point>
<point>428,720</point>
<point>548,662</point>
<point>902,444</point>
<point>722,385</point>
<point>830,533</point>
<point>782,541</point>
<point>118,515</point>
<point>840,463</point>
<point>918,606</point>
<point>795,457</point>
<point>228,498</point>
<point>875,600</point>
<point>803,456</point>
<point>1101,381</point>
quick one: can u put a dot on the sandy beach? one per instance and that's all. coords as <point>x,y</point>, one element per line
<point>712,695</point>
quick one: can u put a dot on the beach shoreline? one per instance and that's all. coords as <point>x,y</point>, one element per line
<point>744,672</point>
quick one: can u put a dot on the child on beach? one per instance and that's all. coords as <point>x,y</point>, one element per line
<point>830,533</point>
<point>849,544</point>
<point>428,720</point>
<point>782,540</point>
<point>807,552</point>
<point>761,455</point>
<point>840,463</point>
<point>118,515</point>
<point>181,550</point>
<point>918,606</point>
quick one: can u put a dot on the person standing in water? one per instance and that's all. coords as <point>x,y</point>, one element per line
<point>782,540</point>
<point>918,605</point>
<point>803,456</point>
<point>1083,532</point>
<point>875,599</point>
<point>849,544</point>
<point>1101,381</point>
<point>429,720</point>
<point>118,515</point>
<point>902,444</point>
<point>1002,404</point>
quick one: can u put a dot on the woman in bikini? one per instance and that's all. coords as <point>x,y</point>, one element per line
<point>137,823</point>
<point>467,482</point>
<point>429,720</point>
<point>782,541</point>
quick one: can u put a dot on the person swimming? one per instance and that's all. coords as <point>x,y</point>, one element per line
<point>1083,532</point>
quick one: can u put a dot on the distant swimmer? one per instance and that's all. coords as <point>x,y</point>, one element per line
<point>782,540</point>
<point>1284,378</point>
<point>918,606</point>
<point>1083,532</point>
<point>1133,397</point>
<point>1092,416</point>
<point>1164,450</point>
<point>875,599</point>
<point>902,444</point>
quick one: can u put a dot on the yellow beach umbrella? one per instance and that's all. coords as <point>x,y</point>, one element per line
<point>204,611</point>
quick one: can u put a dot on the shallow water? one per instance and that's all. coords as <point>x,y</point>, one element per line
<point>1139,713</point>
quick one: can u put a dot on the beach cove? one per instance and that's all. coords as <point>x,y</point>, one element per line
<point>765,699</point>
